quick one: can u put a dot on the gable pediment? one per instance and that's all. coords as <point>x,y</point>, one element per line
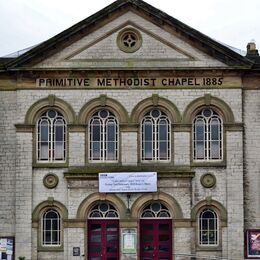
<point>152,47</point>
<point>159,49</point>
<point>93,43</point>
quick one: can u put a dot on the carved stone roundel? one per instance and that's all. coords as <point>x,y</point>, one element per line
<point>208,180</point>
<point>50,180</point>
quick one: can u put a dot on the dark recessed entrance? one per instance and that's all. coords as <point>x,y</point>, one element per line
<point>155,233</point>
<point>103,233</point>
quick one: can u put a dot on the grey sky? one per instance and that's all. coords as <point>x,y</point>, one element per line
<point>24,23</point>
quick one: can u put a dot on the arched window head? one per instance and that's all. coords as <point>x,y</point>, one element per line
<point>155,133</point>
<point>51,137</point>
<point>208,228</point>
<point>103,137</point>
<point>155,210</point>
<point>103,210</point>
<point>51,228</point>
<point>207,136</point>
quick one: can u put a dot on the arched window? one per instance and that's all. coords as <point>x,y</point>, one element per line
<point>103,210</point>
<point>51,228</point>
<point>208,228</point>
<point>207,136</point>
<point>103,137</point>
<point>155,132</point>
<point>51,137</point>
<point>155,210</point>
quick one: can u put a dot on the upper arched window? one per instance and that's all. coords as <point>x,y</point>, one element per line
<point>207,135</point>
<point>51,228</point>
<point>155,210</point>
<point>208,228</point>
<point>156,136</point>
<point>51,137</point>
<point>103,137</point>
<point>103,210</point>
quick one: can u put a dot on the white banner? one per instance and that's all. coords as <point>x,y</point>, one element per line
<point>110,182</point>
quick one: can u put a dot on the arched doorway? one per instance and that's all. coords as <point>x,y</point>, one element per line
<point>155,232</point>
<point>103,232</point>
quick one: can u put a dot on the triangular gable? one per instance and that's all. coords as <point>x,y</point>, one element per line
<point>209,49</point>
<point>101,49</point>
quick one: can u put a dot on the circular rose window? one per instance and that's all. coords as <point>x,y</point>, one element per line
<point>129,40</point>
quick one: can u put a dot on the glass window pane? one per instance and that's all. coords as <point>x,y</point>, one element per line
<point>163,152</point>
<point>48,224</point>
<point>112,238</point>
<point>111,248</point>
<point>147,238</point>
<point>208,214</point>
<point>44,151</point>
<point>95,238</point>
<point>215,150</point>
<point>215,130</point>
<point>148,133</point>
<point>111,151</point>
<point>164,227</point>
<point>204,223</point>
<point>200,130</point>
<point>54,237</point>
<point>96,133</point>
<point>111,131</point>
<point>44,131</point>
<point>164,237</point>
<point>96,150</point>
<point>47,236</point>
<point>148,248</point>
<point>111,227</point>
<point>95,249</point>
<point>59,150</point>
<point>211,235</point>
<point>163,132</point>
<point>95,227</point>
<point>200,150</point>
<point>59,134</point>
<point>148,227</point>
<point>163,248</point>
<point>148,214</point>
<point>211,224</point>
<point>148,150</point>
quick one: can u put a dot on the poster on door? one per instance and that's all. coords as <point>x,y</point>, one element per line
<point>6,248</point>
<point>253,244</point>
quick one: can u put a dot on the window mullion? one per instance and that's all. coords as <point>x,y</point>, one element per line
<point>103,137</point>
<point>51,141</point>
<point>155,141</point>
<point>207,138</point>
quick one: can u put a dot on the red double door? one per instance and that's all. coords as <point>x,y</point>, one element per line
<point>155,239</point>
<point>103,239</point>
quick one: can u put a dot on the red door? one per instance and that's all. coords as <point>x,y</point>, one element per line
<point>155,239</point>
<point>103,239</point>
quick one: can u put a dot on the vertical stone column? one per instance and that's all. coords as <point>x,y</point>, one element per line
<point>235,228</point>
<point>23,195</point>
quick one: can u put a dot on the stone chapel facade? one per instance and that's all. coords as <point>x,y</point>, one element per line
<point>130,136</point>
